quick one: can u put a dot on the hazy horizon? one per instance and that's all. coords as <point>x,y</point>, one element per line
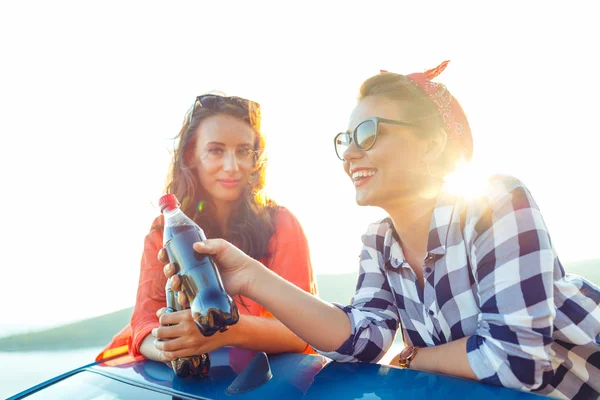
<point>581,267</point>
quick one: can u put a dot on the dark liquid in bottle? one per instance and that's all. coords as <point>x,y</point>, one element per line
<point>212,308</point>
<point>196,366</point>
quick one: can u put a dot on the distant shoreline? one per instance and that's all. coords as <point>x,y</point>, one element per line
<point>98,331</point>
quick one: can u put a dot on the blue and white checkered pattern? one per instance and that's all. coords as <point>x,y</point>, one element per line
<point>491,274</point>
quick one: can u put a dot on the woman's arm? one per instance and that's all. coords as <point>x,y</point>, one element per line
<point>264,334</point>
<point>362,331</point>
<point>259,333</point>
<point>514,270</point>
<point>150,294</point>
<point>150,297</point>
<point>513,267</point>
<point>321,324</point>
<point>450,359</point>
<point>513,260</point>
<point>317,322</point>
<point>148,349</point>
<point>289,258</point>
<point>179,336</point>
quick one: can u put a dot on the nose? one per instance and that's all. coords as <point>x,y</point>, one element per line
<point>230,162</point>
<point>352,152</point>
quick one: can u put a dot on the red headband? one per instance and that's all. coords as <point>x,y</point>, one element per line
<point>452,114</point>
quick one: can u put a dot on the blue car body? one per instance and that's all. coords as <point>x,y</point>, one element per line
<point>246,375</point>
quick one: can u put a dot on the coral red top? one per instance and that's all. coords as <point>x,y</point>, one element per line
<point>289,258</point>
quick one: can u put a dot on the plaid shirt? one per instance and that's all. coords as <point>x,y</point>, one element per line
<point>491,274</point>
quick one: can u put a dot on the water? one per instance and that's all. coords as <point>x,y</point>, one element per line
<point>21,370</point>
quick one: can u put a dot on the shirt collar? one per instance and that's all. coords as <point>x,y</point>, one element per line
<point>392,251</point>
<point>438,231</point>
<point>440,223</point>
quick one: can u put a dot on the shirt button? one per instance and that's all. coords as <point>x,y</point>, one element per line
<point>428,270</point>
<point>430,312</point>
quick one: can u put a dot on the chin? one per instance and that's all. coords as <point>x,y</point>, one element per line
<point>363,200</point>
<point>228,197</point>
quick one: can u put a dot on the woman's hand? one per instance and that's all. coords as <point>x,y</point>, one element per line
<point>178,336</point>
<point>301,317</point>
<point>235,267</point>
<point>170,271</point>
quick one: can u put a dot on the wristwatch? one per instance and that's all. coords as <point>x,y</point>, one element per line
<point>407,355</point>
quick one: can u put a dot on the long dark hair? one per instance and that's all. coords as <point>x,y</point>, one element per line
<point>250,226</point>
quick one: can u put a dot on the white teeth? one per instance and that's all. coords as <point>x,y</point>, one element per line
<point>363,173</point>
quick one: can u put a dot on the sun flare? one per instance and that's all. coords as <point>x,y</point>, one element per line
<point>468,181</point>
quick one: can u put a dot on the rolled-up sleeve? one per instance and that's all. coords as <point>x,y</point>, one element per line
<point>151,289</point>
<point>513,265</point>
<point>373,314</point>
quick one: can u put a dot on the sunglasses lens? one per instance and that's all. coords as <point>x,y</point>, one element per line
<point>209,101</point>
<point>215,102</point>
<point>341,141</point>
<point>365,134</point>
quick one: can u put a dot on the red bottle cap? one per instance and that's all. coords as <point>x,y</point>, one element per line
<point>168,201</point>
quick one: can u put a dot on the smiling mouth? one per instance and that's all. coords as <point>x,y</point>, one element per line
<point>363,174</point>
<point>361,177</point>
<point>229,183</point>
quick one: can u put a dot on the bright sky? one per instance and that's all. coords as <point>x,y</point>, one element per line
<point>91,94</point>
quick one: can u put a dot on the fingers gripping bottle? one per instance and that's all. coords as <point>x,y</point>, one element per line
<point>195,366</point>
<point>212,308</point>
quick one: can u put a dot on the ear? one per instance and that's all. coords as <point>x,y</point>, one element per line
<point>435,146</point>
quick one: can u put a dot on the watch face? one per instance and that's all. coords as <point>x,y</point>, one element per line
<point>406,352</point>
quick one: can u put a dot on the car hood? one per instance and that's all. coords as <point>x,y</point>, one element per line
<point>298,376</point>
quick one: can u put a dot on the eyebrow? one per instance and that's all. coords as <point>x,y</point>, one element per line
<point>223,144</point>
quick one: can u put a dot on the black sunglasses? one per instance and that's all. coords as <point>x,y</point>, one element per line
<point>215,102</point>
<point>364,135</point>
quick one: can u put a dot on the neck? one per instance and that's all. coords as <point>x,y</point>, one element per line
<point>412,220</point>
<point>222,213</point>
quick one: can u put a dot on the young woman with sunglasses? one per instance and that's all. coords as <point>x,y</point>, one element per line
<point>475,284</point>
<point>218,173</point>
